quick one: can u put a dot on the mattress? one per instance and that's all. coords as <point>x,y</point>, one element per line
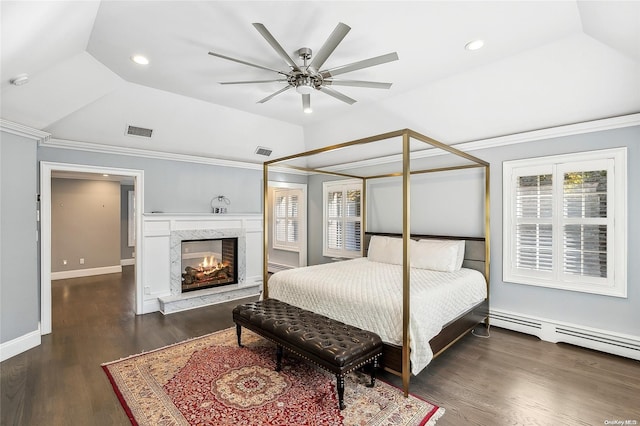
<point>368,295</point>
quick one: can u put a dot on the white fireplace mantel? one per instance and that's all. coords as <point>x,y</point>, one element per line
<point>158,228</point>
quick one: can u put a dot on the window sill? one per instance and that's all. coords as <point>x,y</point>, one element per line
<point>600,290</point>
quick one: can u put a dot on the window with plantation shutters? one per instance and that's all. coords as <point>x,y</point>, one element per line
<point>286,218</point>
<point>565,222</point>
<point>342,218</point>
<point>533,211</point>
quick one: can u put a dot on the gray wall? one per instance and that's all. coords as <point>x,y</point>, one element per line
<point>126,252</point>
<point>446,203</point>
<point>186,187</point>
<point>85,224</point>
<point>177,186</point>
<point>604,312</point>
<point>19,307</point>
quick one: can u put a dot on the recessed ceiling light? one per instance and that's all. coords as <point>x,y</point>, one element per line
<point>474,45</point>
<point>20,79</point>
<point>139,59</point>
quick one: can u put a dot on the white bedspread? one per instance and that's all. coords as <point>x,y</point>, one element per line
<point>368,295</point>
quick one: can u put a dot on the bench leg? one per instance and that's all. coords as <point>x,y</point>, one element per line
<point>340,386</point>
<point>374,366</point>
<point>278,357</point>
<point>239,334</point>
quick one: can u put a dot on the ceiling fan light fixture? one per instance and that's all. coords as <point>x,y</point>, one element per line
<point>304,89</point>
<point>304,85</point>
<point>306,104</point>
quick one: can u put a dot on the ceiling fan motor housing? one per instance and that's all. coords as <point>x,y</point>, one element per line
<point>307,79</point>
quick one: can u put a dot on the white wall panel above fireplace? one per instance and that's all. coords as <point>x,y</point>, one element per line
<point>157,231</point>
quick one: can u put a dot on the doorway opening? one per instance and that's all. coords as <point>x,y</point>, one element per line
<point>49,171</point>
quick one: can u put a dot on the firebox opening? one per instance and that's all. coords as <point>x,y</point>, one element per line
<point>209,263</point>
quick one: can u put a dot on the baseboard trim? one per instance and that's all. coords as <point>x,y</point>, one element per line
<point>149,306</point>
<point>127,262</point>
<point>77,273</point>
<point>555,331</point>
<point>20,344</point>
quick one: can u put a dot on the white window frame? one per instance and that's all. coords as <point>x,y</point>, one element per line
<point>615,284</point>
<point>285,245</point>
<point>344,185</point>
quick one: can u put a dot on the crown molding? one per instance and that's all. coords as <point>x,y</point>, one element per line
<point>554,132</point>
<point>24,131</point>
<point>44,139</point>
<point>135,152</point>
<point>512,139</point>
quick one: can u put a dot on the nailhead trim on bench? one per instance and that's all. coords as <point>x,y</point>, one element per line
<point>341,349</point>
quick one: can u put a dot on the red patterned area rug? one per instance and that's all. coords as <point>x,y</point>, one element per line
<point>211,381</point>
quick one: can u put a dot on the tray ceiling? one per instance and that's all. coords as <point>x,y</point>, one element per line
<point>543,64</point>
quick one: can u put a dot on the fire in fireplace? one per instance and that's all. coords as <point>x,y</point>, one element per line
<point>209,263</point>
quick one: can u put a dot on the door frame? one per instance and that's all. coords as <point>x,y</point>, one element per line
<point>46,169</point>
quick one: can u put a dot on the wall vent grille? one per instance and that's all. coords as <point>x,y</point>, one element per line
<point>261,150</point>
<point>139,131</point>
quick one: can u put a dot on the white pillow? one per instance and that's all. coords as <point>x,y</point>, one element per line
<point>437,255</point>
<point>385,250</point>
<point>461,249</point>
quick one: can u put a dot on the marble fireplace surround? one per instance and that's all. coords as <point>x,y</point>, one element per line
<point>173,229</point>
<point>175,251</point>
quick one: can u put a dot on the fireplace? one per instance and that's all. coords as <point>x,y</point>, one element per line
<point>208,263</point>
<point>229,257</point>
<point>189,227</point>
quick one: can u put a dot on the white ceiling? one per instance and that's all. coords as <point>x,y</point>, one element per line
<point>543,64</point>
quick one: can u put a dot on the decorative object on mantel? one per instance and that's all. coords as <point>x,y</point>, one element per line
<point>219,203</point>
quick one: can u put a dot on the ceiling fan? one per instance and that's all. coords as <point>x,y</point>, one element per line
<point>310,76</point>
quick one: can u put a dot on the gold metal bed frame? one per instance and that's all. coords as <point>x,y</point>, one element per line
<point>407,135</point>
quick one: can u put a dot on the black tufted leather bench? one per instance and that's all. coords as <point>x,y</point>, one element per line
<point>330,344</point>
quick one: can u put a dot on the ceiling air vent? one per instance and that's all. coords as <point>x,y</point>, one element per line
<point>261,150</point>
<point>139,131</point>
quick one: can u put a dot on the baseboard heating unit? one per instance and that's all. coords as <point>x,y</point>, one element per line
<point>554,331</point>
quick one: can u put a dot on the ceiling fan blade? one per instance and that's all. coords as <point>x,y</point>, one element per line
<point>276,46</point>
<point>337,95</point>
<point>253,81</point>
<point>329,46</point>
<point>358,83</point>
<point>383,59</point>
<point>240,61</point>
<point>306,103</point>
<point>261,101</point>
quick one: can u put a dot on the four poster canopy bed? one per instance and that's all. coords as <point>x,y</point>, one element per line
<point>419,293</point>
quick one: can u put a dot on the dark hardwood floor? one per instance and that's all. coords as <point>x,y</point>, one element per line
<point>508,379</point>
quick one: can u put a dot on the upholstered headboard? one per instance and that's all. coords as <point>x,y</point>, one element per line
<point>474,254</point>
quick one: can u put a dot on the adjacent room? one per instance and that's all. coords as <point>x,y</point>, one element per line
<point>311,212</point>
